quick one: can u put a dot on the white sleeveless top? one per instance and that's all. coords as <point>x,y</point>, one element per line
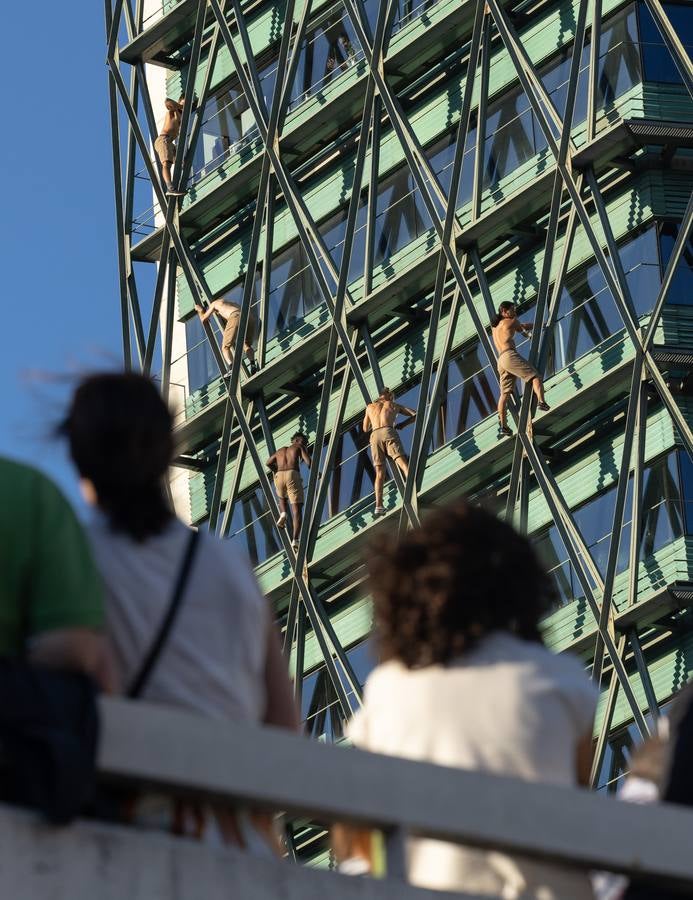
<point>214,659</point>
<point>510,707</point>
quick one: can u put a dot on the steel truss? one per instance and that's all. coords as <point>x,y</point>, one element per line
<point>617,657</point>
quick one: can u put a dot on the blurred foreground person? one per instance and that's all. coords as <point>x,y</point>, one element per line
<point>53,651</point>
<point>466,682</point>
<point>51,603</point>
<point>187,621</point>
<point>676,780</point>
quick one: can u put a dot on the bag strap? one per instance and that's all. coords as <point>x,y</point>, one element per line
<point>162,634</point>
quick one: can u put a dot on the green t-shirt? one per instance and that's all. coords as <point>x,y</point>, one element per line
<point>46,566</point>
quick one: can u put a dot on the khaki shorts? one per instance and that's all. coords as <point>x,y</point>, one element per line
<point>289,484</point>
<point>165,148</point>
<point>231,328</point>
<point>512,366</point>
<point>385,442</point>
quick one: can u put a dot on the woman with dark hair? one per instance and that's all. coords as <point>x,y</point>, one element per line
<point>465,681</point>
<point>221,656</point>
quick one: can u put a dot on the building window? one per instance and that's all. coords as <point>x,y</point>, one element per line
<point>202,367</point>
<point>658,63</point>
<point>662,523</point>
<point>681,290</point>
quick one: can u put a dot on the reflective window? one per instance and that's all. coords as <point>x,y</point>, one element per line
<point>320,708</point>
<point>658,63</point>
<point>202,367</point>
<point>662,523</point>
<point>252,527</point>
<point>681,290</point>
<point>228,124</point>
<point>293,289</point>
<point>328,50</point>
<point>619,58</point>
<point>686,473</point>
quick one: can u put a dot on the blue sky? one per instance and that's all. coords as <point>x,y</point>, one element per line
<point>57,233</point>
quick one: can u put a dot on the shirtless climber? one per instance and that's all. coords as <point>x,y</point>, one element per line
<point>230,316</point>
<point>165,145</point>
<point>511,366</point>
<point>379,419</point>
<point>285,463</point>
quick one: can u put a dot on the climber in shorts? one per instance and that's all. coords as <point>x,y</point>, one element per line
<point>284,463</point>
<point>229,315</point>
<point>379,419</point>
<point>511,366</point>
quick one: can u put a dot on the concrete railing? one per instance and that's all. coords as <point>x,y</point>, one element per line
<point>166,749</point>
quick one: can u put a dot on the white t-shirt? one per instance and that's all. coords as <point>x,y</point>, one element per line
<point>511,707</point>
<point>214,659</point>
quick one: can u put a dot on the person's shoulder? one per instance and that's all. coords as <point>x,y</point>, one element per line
<point>384,677</point>
<point>28,484</point>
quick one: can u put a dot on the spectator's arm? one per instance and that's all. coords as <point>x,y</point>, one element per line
<point>583,760</point>
<point>80,649</point>
<point>280,709</point>
<point>65,594</point>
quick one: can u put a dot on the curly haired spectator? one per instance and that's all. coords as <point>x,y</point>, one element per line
<point>466,682</point>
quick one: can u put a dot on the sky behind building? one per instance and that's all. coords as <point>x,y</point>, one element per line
<point>60,291</point>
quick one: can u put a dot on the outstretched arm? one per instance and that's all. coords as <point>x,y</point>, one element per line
<point>523,329</point>
<point>405,410</point>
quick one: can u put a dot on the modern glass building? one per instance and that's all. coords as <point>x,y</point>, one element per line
<point>371,179</point>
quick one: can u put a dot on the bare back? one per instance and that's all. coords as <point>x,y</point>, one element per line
<point>288,458</point>
<point>224,309</point>
<point>171,126</point>
<point>381,413</point>
<point>504,333</point>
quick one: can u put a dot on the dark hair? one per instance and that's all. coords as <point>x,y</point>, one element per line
<point>299,434</point>
<point>385,390</point>
<point>505,305</point>
<point>120,435</point>
<point>442,586</point>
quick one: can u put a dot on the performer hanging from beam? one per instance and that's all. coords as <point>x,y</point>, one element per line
<point>229,315</point>
<point>284,463</point>
<point>379,419</point>
<point>165,145</point>
<point>511,366</point>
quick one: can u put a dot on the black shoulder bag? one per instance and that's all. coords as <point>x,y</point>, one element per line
<point>49,726</point>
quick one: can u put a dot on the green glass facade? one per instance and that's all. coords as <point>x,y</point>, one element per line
<point>371,180</point>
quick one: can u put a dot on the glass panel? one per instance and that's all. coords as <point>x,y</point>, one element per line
<point>658,63</point>
<point>662,524</point>
<point>686,475</point>
<point>252,528</point>
<point>619,57</point>
<point>681,290</point>
<point>328,50</point>
<point>202,367</point>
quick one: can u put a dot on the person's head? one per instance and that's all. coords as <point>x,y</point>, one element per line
<point>299,439</point>
<point>439,588</point>
<point>506,310</point>
<point>386,395</point>
<point>119,431</point>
